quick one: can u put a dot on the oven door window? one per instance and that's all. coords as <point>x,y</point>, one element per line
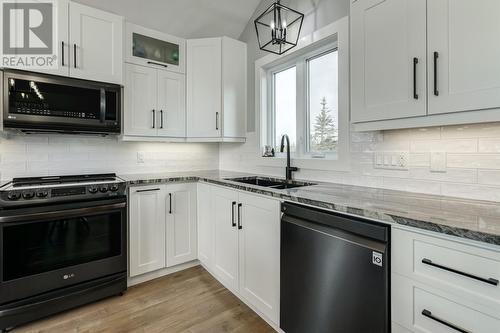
<point>36,247</point>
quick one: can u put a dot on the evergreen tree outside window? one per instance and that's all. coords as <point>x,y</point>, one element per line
<point>323,103</point>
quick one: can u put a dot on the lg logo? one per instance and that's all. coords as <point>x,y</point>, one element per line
<point>377,258</point>
<point>68,276</point>
<point>27,28</point>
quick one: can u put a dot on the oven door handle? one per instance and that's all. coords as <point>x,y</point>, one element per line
<point>65,213</point>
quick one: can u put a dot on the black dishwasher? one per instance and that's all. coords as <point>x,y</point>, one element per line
<point>334,273</point>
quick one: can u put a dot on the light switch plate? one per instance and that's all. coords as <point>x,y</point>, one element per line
<point>391,160</point>
<point>140,157</point>
<point>438,162</point>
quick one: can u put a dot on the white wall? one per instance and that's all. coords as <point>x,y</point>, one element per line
<point>40,155</point>
<point>472,151</point>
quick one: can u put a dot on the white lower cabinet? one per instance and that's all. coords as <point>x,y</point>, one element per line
<point>181,224</point>
<point>424,309</point>
<point>440,286</point>
<point>224,205</point>
<point>259,253</point>
<point>162,227</point>
<point>205,224</point>
<point>146,229</point>
<point>244,232</point>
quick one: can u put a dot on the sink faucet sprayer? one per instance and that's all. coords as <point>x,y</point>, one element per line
<point>289,169</point>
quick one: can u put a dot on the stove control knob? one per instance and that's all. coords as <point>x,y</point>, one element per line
<point>93,190</point>
<point>113,188</point>
<point>42,194</point>
<point>103,189</point>
<point>28,195</point>
<point>13,196</point>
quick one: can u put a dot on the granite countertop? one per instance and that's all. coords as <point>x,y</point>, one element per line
<point>470,219</point>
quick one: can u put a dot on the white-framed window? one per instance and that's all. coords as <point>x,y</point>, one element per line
<point>316,73</point>
<point>305,94</point>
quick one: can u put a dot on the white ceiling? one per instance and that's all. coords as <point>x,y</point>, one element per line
<point>184,18</point>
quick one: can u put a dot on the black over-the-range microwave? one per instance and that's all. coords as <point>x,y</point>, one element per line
<point>34,102</point>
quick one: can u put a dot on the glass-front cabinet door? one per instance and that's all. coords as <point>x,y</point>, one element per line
<point>154,49</point>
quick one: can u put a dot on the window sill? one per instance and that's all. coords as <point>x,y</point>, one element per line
<point>307,163</point>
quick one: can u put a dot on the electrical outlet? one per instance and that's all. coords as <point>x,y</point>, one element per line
<point>438,162</point>
<point>140,157</point>
<point>391,160</point>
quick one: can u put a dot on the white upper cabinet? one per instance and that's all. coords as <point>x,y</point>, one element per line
<point>154,49</point>
<point>234,88</point>
<point>216,89</point>
<point>171,104</point>
<point>181,224</point>
<point>140,100</point>
<point>204,87</point>
<point>465,36</point>
<point>154,103</point>
<point>388,55</point>
<point>96,48</point>
<point>424,63</point>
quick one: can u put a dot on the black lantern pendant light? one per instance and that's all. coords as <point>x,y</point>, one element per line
<point>278,28</point>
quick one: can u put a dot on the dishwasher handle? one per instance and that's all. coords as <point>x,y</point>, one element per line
<point>350,224</point>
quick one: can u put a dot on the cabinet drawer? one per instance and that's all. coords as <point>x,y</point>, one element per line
<point>420,308</point>
<point>468,271</point>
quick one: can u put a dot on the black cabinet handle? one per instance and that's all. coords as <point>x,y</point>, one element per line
<point>74,54</point>
<point>170,202</point>
<point>436,91</point>
<point>491,281</point>
<point>429,315</point>
<point>415,63</point>
<point>216,121</point>
<point>240,226</point>
<point>148,190</point>
<point>233,222</point>
<point>157,64</point>
<point>154,118</point>
<point>161,119</point>
<point>62,53</point>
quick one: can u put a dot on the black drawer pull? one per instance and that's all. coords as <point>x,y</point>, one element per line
<point>415,63</point>
<point>157,64</point>
<point>233,222</point>
<point>491,281</point>
<point>429,315</point>
<point>62,53</point>
<point>74,54</point>
<point>148,190</point>
<point>170,202</point>
<point>436,91</point>
<point>240,226</point>
<point>153,125</point>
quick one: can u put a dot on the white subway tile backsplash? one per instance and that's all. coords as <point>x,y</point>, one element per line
<point>489,145</point>
<point>472,191</point>
<point>455,145</point>
<point>472,160</point>
<point>488,177</point>
<point>485,130</point>
<point>40,155</point>
<point>477,161</point>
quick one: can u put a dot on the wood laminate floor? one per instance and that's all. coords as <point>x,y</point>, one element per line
<point>190,301</point>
